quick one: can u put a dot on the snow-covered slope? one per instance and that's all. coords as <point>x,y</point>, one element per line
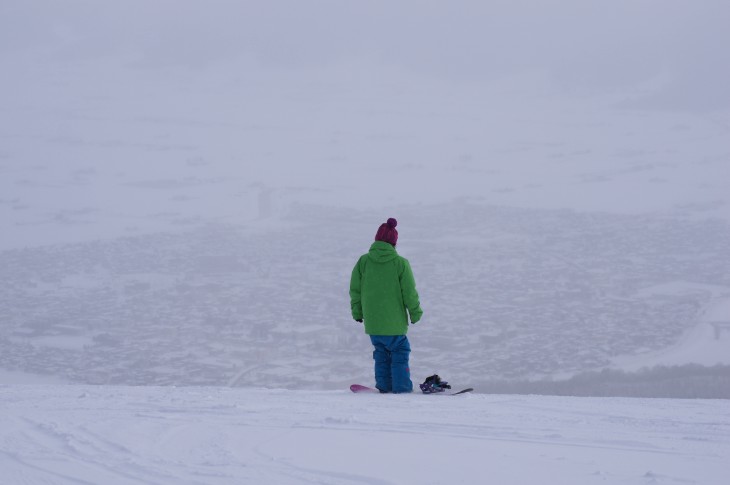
<point>509,294</point>
<point>126,435</point>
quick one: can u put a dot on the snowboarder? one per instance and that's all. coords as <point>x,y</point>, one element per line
<point>383,295</point>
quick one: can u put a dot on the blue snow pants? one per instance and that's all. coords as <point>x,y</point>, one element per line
<point>391,363</point>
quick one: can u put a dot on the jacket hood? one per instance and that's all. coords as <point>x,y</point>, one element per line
<point>382,252</point>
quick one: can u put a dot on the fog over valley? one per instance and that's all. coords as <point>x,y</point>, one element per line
<point>186,186</point>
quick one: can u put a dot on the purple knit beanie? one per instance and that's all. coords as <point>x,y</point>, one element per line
<point>387,233</point>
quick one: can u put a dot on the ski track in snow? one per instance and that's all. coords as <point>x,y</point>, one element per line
<point>132,435</point>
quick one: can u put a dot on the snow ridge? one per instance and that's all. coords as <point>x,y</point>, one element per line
<point>125,435</point>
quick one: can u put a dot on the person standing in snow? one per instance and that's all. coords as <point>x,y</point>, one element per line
<point>383,295</point>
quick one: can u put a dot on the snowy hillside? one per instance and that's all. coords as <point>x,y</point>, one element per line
<point>506,299</point>
<point>121,435</point>
<point>185,187</point>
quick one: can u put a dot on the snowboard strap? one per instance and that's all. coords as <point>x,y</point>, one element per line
<point>434,384</point>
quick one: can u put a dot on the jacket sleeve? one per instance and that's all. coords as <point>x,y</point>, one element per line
<point>410,295</point>
<point>355,287</point>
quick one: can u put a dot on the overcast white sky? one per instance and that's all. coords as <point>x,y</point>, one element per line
<point>578,45</point>
<point>293,97</point>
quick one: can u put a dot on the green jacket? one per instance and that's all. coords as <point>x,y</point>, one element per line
<point>382,288</point>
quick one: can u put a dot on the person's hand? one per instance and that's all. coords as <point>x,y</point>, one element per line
<point>359,320</point>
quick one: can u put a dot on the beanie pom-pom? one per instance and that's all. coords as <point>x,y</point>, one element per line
<point>392,223</point>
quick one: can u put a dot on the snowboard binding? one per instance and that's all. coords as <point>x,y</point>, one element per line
<point>434,384</point>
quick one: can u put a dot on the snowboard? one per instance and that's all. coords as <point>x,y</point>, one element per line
<point>357,388</point>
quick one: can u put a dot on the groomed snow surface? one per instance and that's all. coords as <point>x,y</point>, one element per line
<point>195,435</point>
